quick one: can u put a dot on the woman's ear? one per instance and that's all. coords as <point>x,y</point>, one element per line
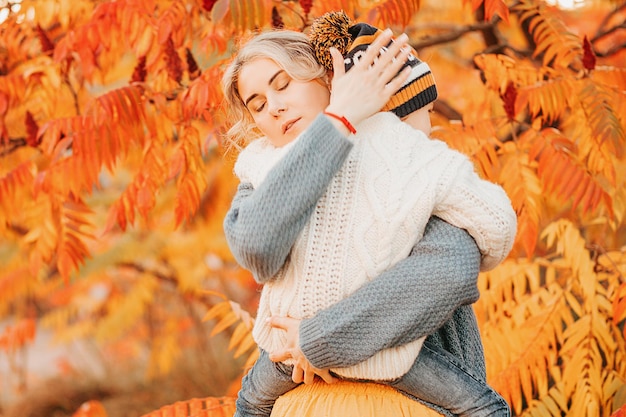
<point>329,78</point>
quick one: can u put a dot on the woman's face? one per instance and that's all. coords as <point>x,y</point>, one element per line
<point>281,107</point>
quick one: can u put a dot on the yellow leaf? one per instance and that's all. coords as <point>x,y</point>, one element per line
<point>218,310</point>
<point>227,320</point>
<point>241,331</point>
<point>246,344</point>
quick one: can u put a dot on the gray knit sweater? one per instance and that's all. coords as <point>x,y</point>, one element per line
<point>427,294</point>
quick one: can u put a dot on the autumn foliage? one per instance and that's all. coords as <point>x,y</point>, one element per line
<point>114,180</point>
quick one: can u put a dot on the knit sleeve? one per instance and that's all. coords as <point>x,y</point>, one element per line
<point>258,158</point>
<point>263,223</point>
<point>479,206</point>
<point>411,300</point>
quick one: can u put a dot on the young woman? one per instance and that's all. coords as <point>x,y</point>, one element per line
<point>276,86</point>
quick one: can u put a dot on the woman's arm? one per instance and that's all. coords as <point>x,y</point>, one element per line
<point>412,299</point>
<point>262,225</point>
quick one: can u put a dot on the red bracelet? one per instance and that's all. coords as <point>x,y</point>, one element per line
<point>343,120</point>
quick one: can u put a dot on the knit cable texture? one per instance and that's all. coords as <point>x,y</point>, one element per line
<point>263,222</point>
<point>376,207</point>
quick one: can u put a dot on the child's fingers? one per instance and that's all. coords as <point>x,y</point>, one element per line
<point>277,322</point>
<point>297,375</point>
<point>309,376</point>
<point>325,375</point>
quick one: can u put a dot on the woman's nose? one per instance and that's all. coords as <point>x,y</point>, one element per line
<point>276,106</point>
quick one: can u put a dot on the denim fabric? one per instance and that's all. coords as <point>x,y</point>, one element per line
<point>261,386</point>
<point>437,377</point>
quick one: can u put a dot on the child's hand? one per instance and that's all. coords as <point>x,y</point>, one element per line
<point>370,83</point>
<point>303,371</point>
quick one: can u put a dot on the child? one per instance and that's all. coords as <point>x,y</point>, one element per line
<point>366,216</point>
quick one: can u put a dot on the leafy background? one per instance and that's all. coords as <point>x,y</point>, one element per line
<point>116,283</point>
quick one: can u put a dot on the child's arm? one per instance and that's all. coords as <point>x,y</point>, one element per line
<point>479,206</point>
<point>411,300</point>
<point>462,198</point>
<point>262,225</point>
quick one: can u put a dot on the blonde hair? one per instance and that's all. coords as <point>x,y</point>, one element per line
<point>290,50</point>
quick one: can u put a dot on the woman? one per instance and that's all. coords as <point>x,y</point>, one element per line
<point>259,90</point>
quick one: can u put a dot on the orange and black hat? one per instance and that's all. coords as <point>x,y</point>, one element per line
<point>352,40</point>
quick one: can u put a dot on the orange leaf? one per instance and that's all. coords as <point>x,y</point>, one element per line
<point>496,7</point>
<point>393,12</point>
<point>17,336</point>
<point>71,250</point>
<point>4,103</point>
<point>92,408</point>
<point>13,184</point>
<point>619,305</point>
<point>563,175</point>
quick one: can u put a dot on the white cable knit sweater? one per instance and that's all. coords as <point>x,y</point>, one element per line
<point>373,212</point>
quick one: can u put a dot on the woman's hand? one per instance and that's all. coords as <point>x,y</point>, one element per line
<point>370,83</point>
<point>303,371</point>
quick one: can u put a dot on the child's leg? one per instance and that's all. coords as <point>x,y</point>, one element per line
<point>439,378</point>
<point>261,386</point>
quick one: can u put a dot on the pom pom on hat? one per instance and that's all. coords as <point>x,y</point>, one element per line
<point>335,29</point>
<point>331,29</point>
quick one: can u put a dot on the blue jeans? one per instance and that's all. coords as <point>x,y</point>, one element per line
<point>262,385</point>
<point>436,377</point>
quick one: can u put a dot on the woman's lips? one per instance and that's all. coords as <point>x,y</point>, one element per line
<point>288,125</point>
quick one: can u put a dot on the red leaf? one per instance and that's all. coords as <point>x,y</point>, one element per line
<point>31,130</point>
<point>46,44</point>
<point>192,65</point>
<point>208,4</point>
<point>277,20</point>
<point>620,413</point>
<point>306,6</point>
<point>173,61</point>
<point>139,74</point>
<point>589,57</point>
<point>509,97</point>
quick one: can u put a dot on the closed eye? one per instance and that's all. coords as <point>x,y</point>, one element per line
<point>259,108</point>
<point>281,81</point>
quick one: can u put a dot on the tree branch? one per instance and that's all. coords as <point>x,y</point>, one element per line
<point>452,35</point>
<point>15,144</point>
<point>602,33</point>
<point>165,278</point>
<point>607,18</point>
<point>611,51</point>
<point>606,33</point>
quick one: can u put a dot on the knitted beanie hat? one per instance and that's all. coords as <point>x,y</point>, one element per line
<point>335,29</point>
